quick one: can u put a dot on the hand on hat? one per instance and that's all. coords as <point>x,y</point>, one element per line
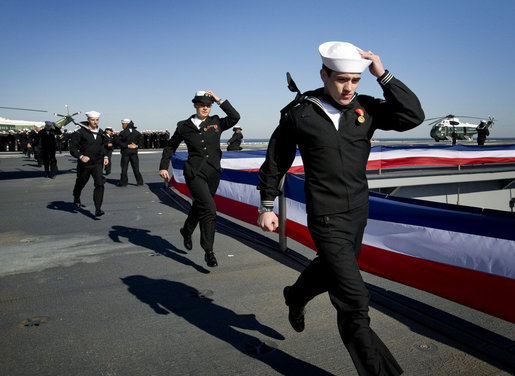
<point>209,92</point>
<point>376,68</point>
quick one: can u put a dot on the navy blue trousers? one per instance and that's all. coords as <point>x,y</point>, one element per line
<point>335,269</point>
<point>203,209</point>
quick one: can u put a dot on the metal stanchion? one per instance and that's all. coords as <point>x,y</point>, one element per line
<point>283,246</point>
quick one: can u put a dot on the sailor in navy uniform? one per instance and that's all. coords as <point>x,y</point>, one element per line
<point>129,141</point>
<point>109,138</point>
<point>234,143</point>
<point>482,132</point>
<point>332,127</point>
<point>201,133</point>
<point>88,145</point>
<point>47,138</point>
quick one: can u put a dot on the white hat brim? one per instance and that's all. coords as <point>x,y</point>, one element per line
<point>346,65</point>
<point>343,57</point>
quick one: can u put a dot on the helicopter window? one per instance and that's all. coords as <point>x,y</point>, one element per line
<point>454,122</point>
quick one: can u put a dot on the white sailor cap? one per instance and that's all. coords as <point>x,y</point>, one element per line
<point>126,121</point>
<point>92,114</point>
<point>343,57</point>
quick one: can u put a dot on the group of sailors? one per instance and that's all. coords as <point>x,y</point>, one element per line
<point>23,140</point>
<point>26,141</point>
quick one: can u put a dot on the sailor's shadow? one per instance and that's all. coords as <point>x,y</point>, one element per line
<point>70,208</point>
<point>143,238</point>
<point>250,237</point>
<point>166,297</point>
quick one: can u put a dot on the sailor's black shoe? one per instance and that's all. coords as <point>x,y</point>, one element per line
<point>187,239</point>
<point>99,213</point>
<point>210,259</point>
<point>76,203</point>
<point>295,314</point>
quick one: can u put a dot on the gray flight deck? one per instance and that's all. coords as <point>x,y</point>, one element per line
<point>120,295</point>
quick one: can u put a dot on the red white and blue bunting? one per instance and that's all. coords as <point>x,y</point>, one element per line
<point>456,252</point>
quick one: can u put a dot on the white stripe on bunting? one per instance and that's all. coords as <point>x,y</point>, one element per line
<point>474,252</point>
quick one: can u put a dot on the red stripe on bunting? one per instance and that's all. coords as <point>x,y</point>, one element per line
<point>432,161</point>
<point>376,164</point>
<point>485,292</point>
<point>239,210</point>
<point>482,291</point>
<point>181,187</point>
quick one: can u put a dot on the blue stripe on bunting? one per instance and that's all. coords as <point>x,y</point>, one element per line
<point>442,216</point>
<point>241,177</point>
<point>465,219</point>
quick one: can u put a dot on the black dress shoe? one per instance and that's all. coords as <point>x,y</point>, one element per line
<point>295,314</point>
<point>187,239</point>
<point>77,203</point>
<point>210,259</point>
<point>99,213</point>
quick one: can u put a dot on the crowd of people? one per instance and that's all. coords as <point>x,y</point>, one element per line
<point>20,140</point>
<point>24,140</point>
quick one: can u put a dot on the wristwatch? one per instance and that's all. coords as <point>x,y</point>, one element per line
<point>264,209</point>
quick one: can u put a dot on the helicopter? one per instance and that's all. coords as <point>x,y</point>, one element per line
<point>444,126</point>
<point>19,125</point>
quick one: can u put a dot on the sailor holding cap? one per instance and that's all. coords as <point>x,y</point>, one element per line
<point>235,141</point>
<point>88,145</point>
<point>129,141</point>
<point>332,127</point>
<point>201,133</point>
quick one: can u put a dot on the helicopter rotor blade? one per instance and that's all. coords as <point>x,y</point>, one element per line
<point>436,121</point>
<point>441,117</point>
<point>450,116</point>
<point>23,109</point>
<point>471,117</point>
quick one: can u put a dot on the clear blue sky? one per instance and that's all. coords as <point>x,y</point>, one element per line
<point>145,59</point>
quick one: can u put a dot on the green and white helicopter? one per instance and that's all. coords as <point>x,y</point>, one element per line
<point>19,125</point>
<point>444,126</point>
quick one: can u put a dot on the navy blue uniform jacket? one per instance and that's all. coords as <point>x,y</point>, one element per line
<point>335,159</point>
<point>203,143</point>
